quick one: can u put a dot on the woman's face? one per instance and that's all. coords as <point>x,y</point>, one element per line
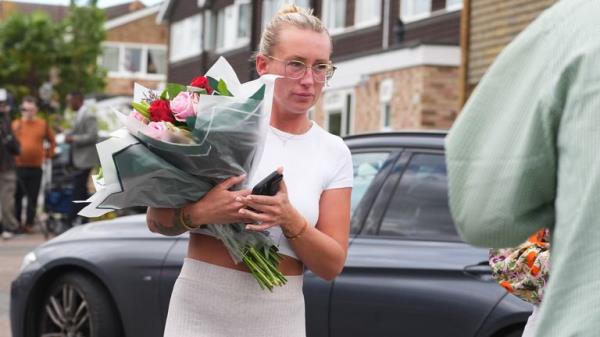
<point>296,96</point>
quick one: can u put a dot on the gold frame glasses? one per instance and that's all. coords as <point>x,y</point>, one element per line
<point>296,69</point>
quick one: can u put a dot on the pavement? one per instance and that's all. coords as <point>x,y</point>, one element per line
<point>11,255</point>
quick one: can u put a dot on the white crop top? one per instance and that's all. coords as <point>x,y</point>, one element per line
<point>312,162</point>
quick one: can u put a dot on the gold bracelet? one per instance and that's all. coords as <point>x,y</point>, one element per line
<point>182,221</point>
<point>297,236</point>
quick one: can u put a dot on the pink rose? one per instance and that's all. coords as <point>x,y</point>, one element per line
<point>158,130</point>
<point>138,116</point>
<point>183,106</point>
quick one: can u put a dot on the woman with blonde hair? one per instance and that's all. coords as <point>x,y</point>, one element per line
<point>308,218</point>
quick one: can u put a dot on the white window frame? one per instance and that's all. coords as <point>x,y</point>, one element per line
<point>454,7</point>
<point>356,26</point>
<point>386,92</point>
<point>276,4</point>
<point>326,18</point>
<point>407,14</point>
<point>181,32</point>
<point>367,23</point>
<point>209,38</point>
<point>142,74</point>
<point>237,42</point>
<point>336,101</point>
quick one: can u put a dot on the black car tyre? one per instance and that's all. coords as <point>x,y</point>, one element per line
<point>75,305</point>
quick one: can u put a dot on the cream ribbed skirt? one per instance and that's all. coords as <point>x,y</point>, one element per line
<point>213,301</point>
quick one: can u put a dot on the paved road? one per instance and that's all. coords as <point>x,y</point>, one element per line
<point>11,255</point>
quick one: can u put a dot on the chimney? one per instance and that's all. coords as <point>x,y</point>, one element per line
<point>136,6</point>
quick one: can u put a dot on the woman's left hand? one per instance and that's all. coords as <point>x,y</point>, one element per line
<point>270,211</point>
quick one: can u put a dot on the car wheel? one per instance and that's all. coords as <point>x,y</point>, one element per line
<point>75,305</point>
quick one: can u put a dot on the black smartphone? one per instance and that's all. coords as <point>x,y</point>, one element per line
<point>269,185</point>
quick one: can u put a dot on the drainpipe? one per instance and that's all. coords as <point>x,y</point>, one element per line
<point>465,27</point>
<point>386,25</point>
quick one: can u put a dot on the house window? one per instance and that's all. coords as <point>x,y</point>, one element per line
<point>233,25</point>
<point>367,12</point>
<point>186,38</point>
<point>386,88</point>
<point>135,60</point>
<point>338,105</point>
<point>110,58</point>
<point>335,14</point>
<point>452,5</point>
<point>209,36</point>
<point>156,61</point>
<point>270,7</point>
<point>412,10</point>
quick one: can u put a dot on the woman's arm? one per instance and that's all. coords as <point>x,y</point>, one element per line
<point>218,206</point>
<point>323,248</point>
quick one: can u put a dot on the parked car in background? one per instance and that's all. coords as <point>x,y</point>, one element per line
<point>408,273</point>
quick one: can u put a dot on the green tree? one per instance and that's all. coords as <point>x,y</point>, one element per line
<point>28,49</point>
<point>81,45</point>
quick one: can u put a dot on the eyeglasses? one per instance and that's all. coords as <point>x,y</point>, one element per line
<point>296,69</point>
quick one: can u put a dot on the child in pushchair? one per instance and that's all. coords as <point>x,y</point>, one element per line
<point>58,193</point>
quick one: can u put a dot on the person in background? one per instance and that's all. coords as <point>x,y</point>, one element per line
<point>31,132</point>
<point>82,138</point>
<point>524,154</point>
<point>523,271</point>
<point>8,175</point>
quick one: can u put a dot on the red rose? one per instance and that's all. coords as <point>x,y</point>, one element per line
<point>160,111</point>
<point>201,82</point>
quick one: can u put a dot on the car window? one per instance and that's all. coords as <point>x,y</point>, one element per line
<point>419,205</point>
<point>366,166</point>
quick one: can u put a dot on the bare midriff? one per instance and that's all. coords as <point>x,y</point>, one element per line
<point>211,250</point>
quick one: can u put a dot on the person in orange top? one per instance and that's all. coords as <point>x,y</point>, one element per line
<point>31,133</point>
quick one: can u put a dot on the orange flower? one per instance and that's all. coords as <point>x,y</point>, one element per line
<point>531,258</point>
<point>507,286</point>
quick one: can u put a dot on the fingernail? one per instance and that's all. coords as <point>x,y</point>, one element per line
<point>249,197</point>
<point>238,198</point>
<point>248,227</point>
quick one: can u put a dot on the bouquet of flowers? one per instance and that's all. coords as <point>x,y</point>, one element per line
<point>524,270</point>
<point>179,143</point>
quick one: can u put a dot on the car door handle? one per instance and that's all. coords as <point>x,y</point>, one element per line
<point>481,270</point>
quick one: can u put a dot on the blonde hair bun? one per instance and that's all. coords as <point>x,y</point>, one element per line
<point>288,15</point>
<point>291,9</point>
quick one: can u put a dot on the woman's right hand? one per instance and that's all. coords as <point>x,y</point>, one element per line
<point>219,206</point>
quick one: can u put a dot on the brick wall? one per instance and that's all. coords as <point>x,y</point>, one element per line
<point>144,30</point>
<point>124,86</point>
<point>425,97</point>
<point>440,98</point>
<point>493,25</point>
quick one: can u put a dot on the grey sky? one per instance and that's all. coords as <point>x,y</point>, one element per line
<point>101,3</point>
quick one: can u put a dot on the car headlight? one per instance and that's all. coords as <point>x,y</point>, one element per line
<point>27,260</point>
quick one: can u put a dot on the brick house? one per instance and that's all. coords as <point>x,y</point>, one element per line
<point>135,48</point>
<point>398,60</point>
<point>488,26</point>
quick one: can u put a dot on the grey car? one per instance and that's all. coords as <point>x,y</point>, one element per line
<point>408,273</point>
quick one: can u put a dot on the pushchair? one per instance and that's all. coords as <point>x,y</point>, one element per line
<point>58,193</point>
